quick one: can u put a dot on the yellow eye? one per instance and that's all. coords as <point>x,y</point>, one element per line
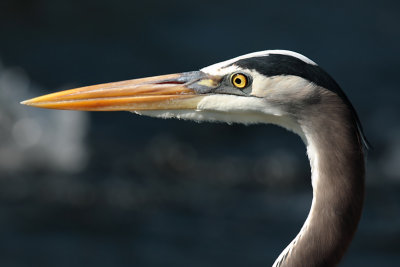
<point>239,80</point>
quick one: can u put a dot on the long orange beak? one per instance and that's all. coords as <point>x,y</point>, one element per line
<point>173,91</point>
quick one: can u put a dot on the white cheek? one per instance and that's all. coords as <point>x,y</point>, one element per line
<point>283,86</point>
<point>231,109</point>
<point>223,108</point>
<point>237,104</point>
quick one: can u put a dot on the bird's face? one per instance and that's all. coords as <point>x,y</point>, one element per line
<point>253,88</point>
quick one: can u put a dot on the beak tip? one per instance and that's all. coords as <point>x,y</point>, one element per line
<point>27,102</point>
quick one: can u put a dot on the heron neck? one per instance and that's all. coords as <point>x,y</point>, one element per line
<point>337,166</point>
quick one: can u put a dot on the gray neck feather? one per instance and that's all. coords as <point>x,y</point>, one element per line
<point>337,164</point>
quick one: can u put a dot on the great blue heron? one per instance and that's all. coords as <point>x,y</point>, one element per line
<point>273,86</point>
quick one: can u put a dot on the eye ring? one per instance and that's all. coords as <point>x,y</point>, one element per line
<point>239,80</point>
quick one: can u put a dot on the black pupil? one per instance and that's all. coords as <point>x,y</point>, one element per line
<point>238,80</point>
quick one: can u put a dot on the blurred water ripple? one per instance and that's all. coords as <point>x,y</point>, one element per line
<point>33,139</point>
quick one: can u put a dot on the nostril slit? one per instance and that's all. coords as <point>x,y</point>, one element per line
<point>170,82</point>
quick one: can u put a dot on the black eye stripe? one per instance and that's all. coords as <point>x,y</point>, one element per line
<point>278,65</point>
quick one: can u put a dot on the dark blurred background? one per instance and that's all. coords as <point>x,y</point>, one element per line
<point>117,189</point>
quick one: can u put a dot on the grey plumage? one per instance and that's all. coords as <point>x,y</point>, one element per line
<point>338,184</point>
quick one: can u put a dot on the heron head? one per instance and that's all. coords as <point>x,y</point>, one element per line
<point>273,86</point>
